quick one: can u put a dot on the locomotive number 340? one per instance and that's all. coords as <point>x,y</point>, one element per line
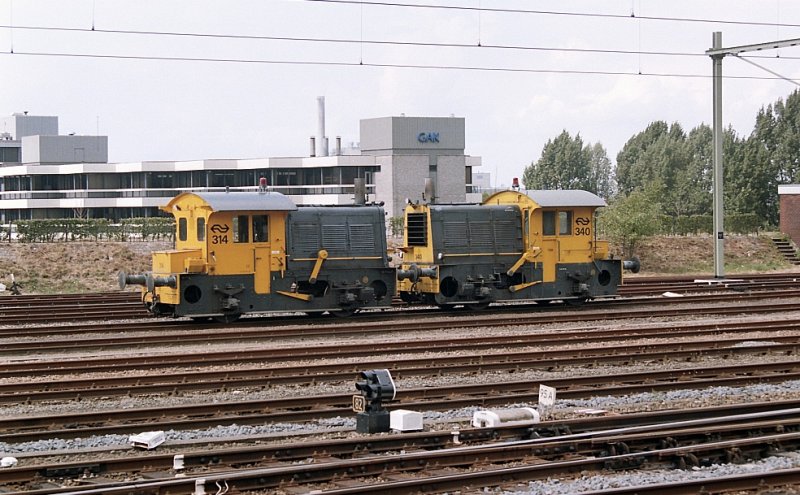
<point>583,226</point>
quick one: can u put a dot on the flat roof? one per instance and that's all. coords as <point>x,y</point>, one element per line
<point>242,201</point>
<point>565,197</point>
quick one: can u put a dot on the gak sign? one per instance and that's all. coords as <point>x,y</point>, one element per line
<point>428,137</point>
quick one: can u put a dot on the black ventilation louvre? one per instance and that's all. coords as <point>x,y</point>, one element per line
<point>334,237</point>
<point>362,238</point>
<point>305,239</point>
<point>417,229</point>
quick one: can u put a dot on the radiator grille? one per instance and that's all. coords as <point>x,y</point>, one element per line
<point>417,229</point>
<point>305,238</point>
<point>334,237</point>
<point>362,237</point>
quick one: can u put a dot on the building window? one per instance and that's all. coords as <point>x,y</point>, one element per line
<point>240,231</point>
<point>201,229</point>
<point>160,180</point>
<point>260,228</point>
<point>182,228</point>
<point>10,155</point>
<point>223,179</point>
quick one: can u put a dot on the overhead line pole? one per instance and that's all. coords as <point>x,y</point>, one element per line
<point>718,198</point>
<point>717,53</point>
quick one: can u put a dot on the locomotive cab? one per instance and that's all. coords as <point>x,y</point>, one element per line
<point>219,234</point>
<point>540,246</point>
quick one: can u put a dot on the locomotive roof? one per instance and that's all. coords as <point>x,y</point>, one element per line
<point>565,197</point>
<point>240,201</point>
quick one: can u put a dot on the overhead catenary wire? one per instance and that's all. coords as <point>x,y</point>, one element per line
<point>361,42</point>
<point>553,12</point>
<point>779,76</point>
<point>429,44</point>
<point>376,65</point>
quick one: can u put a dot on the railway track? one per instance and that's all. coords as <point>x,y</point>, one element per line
<point>474,356</point>
<point>299,409</point>
<point>253,363</point>
<point>33,309</point>
<point>242,333</point>
<point>70,307</point>
<point>671,439</point>
<point>317,326</point>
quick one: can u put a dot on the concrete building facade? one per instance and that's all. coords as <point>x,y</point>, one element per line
<point>45,175</point>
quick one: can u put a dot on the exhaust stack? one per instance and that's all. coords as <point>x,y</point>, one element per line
<point>430,191</point>
<point>322,141</point>
<point>360,190</point>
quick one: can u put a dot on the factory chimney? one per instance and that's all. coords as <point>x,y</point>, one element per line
<point>322,141</point>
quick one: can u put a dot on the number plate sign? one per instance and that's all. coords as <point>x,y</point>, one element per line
<point>359,404</point>
<point>547,396</point>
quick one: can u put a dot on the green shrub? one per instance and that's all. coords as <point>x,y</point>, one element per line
<point>75,229</point>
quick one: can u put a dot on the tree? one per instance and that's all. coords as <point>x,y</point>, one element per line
<point>631,218</point>
<point>785,137</point>
<point>633,171</point>
<point>700,170</point>
<point>567,164</point>
<point>750,181</point>
<point>602,177</point>
<point>680,165</point>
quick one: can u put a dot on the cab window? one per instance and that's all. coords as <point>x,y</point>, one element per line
<point>182,228</point>
<point>549,223</point>
<point>260,228</point>
<point>240,228</point>
<point>201,229</point>
<point>564,222</point>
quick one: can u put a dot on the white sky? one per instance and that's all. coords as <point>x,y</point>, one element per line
<point>184,110</point>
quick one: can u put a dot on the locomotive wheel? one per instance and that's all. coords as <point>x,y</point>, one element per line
<point>227,318</point>
<point>200,319</point>
<point>578,301</point>
<point>446,307</point>
<point>343,312</point>
<point>478,306</point>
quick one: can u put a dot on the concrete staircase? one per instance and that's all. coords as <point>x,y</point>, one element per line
<point>787,249</point>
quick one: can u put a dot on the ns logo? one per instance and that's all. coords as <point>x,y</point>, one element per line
<point>428,137</point>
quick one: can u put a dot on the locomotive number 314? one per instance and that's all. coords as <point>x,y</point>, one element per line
<point>219,239</point>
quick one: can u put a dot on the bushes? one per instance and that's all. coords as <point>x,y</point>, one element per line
<point>76,229</point>
<point>747,223</point>
<point>396,226</point>
<point>147,229</point>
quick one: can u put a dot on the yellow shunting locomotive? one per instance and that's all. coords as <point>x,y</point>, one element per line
<point>252,252</point>
<point>538,245</point>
